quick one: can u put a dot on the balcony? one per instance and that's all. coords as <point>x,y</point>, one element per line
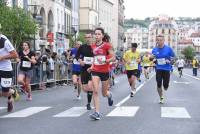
<point>87,27</point>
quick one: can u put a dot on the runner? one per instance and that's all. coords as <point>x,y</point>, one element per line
<point>131,59</point>
<point>100,70</point>
<point>163,55</point>
<point>180,64</point>
<point>146,64</point>
<point>76,69</point>
<point>85,57</point>
<point>26,62</point>
<point>7,52</point>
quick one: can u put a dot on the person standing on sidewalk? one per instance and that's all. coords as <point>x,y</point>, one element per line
<point>163,55</point>
<point>131,59</point>
<point>85,57</point>
<point>26,61</point>
<point>100,70</point>
<point>7,52</point>
<point>195,65</point>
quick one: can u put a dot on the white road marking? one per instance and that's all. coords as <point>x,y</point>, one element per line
<point>26,112</point>
<point>174,112</point>
<point>181,82</point>
<point>192,76</point>
<point>1,108</point>
<point>124,111</point>
<point>137,89</point>
<point>72,112</point>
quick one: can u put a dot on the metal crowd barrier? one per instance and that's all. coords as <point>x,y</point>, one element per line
<point>43,76</point>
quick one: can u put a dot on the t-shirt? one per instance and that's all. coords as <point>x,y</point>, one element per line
<point>180,63</point>
<point>5,48</point>
<point>85,53</point>
<point>161,55</point>
<point>25,64</point>
<point>146,61</point>
<point>100,55</point>
<point>132,57</point>
<point>76,65</point>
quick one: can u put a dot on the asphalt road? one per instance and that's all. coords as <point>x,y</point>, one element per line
<point>57,111</point>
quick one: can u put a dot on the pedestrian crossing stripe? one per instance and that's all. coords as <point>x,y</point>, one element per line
<point>72,112</point>
<point>124,112</point>
<point>1,108</point>
<point>26,112</point>
<point>174,112</point>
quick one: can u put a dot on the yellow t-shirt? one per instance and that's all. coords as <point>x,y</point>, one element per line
<point>131,57</point>
<point>146,61</point>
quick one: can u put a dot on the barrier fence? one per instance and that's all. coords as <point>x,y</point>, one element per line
<point>45,74</point>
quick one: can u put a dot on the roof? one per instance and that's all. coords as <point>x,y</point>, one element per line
<point>194,35</point>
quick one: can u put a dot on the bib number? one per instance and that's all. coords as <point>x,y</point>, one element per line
<point>26,64</point>
<point>88,60</point>
<point>133,63</point>
<point>100,60</point>
<point>161,61</point>
<point>6,82</point>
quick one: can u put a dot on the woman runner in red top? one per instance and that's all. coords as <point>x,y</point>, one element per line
<point>100,70</point>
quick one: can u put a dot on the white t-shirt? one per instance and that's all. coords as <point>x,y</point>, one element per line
<point>6,65</point>
<point>180,63</point>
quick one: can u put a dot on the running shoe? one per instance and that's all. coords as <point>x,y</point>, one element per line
<point>110,100</point>
<point>15,95</point>
<point>95,116</point>
<point>161,100</point>
<point>10,105</point>
<point>132,93</point>
<point>79,97</point>
<point>29,97</point>
<point>88,106</point>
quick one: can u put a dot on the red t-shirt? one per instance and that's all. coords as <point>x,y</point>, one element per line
<point>100,56</point>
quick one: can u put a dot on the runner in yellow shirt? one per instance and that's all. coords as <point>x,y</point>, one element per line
<point>146,63</point>
<point>131,59</point>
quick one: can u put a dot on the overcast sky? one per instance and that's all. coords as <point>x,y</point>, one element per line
<point>141,9</point>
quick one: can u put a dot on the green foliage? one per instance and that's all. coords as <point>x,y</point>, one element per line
<point>79,38</point>
<point>188,52</point>
<point>17,24</point>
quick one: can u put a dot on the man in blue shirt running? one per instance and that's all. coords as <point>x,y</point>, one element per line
<point>163,55</point>
<point>76,69</point>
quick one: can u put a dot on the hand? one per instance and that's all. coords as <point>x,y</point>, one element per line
<point>168,61</point>
<point>89,70</point>
<point>82,63</point>
<point>27,57</point>
<point>1,58</point>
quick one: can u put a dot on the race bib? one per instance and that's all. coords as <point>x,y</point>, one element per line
<point>133,63</point>
<point>75,61</point>
<point>161,61</point>
<point>44,66</point>
<point>6,82</point>
<point>100,60</point>
<point>26,64</point>
<point>88,60</point>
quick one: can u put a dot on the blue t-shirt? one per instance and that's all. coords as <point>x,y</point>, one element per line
<point>162,54</point>
<point>76,65</point>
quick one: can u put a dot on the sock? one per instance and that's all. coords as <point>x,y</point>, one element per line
<point>89,96</point>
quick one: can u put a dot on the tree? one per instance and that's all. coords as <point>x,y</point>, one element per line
<point>188,52</point>
<point>17,24</point>
<point>79,38</point>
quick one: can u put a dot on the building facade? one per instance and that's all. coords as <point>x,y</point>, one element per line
<point>166,26</point>
<point>121,18</point>
<point>89,14</point>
